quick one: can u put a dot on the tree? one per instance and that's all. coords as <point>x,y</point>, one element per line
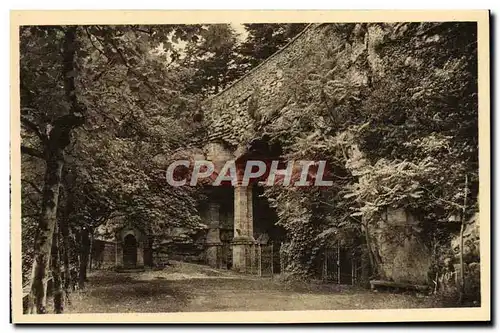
<point>218,57</point>
<point>264,39</point>
<point>212,57</point>
<point>61,80</point>
<point>52,141</point>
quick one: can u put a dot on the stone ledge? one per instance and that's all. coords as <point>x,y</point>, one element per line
<point>241,240</point>
<point>214,244</point>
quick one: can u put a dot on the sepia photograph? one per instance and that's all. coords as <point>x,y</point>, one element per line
<point>250,166</point>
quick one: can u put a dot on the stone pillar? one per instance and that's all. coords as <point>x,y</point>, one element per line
<point>243,229</point>
<point>140,255</point>
<point>213,242</point>
<point>118,254</point>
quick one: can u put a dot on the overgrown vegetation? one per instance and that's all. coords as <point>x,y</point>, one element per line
<point>129,115</point>
<point>398,126</point>
<point>104,109</point>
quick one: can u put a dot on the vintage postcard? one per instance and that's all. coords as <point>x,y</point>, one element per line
<point>250,166</point>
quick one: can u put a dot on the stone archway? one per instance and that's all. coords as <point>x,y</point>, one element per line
<point>129,251</point>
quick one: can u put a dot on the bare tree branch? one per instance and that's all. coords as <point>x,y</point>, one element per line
<point>89,35</point>
<point>33,185</point>
<point>35,204</point>
<point>32,152</point>
<point>33,128</point>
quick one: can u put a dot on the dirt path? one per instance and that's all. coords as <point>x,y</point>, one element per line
<point>189,287</point>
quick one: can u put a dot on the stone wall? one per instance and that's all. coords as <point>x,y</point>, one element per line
<point>230,115</point>
<point>264,93</point>
<point>103,254</point>
<point>182,244</point>
<point>217,154</point>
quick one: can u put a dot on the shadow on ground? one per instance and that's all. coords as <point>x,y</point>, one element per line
<point>189,287</point>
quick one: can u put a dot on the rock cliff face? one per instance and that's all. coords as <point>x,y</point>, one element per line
<point>265,94</point>
<point>400,252</point>
<point>233,113</point>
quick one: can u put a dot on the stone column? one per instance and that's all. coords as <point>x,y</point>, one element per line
<point>140,254</point>
<point>243,228</point>
<point>213,242</point>
<point>118,254</point>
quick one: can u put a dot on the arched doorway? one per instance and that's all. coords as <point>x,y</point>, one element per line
<point>129,251</point>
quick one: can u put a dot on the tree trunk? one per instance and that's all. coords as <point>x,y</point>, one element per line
<point>58,137</point>
<point>90,251</point>
<point>44,234</point>
<point>64,224</point>
<point>462,275</point>
<point>462,227</point>
<point>371,255</point>
<point>56,274</point>
<point>65,242</point>
<point>84,256</point>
